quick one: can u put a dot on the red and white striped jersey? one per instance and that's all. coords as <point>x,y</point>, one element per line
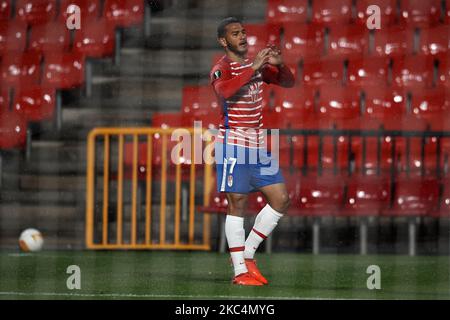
<point>239,90</point>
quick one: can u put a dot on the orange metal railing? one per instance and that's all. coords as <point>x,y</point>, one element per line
<point>110,224</point>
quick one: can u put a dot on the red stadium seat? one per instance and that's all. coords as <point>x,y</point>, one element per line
<point>64,71</point>
<point>414,197</point>
<point>320,196</point>
<point>209,120</point>
<point>124,13</point>
<point>89,9</point>
<point>13,36</point>
<point>36,11</point>
<point>4,98</point>
<point>166,120</point>
<point>366,195</point>
<point>368,72</point>
<point>332,12</point>
<point>282,11</point>
<point>447,13</point>
<point>302,41</point>
<point>256,201</point>
<point>294,102</point>
<point>438,124</point>
<point>218,202</point>
<point>423,152</point>
<point>306,153</point>
<point>420,13</point>
<point>434,41</point>
<point>95,39</point>
<point>141,160</point>
<point>430,103</point>
<point>36,103</point>
<point>365,149</point>
<point>337,102</point>
<point>444,206</point>
<point>275,120</point>
<point>284,152</point>
<point>199,100</point>
<point>393,41</point>
<point>384,102</point>
<point>159,120</point>
<point>5,9</point>
<point>293,181</point>
<point>347,40</point>
<point>444,71</point>
<point>376,155</point>
<point>321,72</point>
<point>261,35</point>
<point>388,11</point>
<point>50,37</point>
<point>408,158</point>
<point>413,71</point>
<point>13,130</point>
<point>21,69</point>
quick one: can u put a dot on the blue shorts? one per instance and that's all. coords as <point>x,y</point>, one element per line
<point>244,170</point>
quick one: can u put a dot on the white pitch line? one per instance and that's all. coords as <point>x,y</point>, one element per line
<point>154,296</point>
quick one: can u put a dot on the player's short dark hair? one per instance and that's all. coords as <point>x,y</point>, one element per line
<point>222,28</point>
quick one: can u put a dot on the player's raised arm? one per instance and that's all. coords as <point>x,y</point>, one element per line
<point>276,71</point>
<point>226,86</point>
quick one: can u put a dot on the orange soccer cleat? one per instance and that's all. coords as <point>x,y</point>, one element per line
<point>245,279</point>
<point>254,271</point>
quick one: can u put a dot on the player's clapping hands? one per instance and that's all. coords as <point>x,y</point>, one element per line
<point>275,55</point>
<point>261,58</point>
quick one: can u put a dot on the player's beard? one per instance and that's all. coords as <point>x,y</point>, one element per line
<point>235,50</point>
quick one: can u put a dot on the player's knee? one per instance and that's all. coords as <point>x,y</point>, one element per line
<point>282,203</point>
<point>237,204</point>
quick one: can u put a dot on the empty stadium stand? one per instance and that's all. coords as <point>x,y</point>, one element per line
<point>364,132</point>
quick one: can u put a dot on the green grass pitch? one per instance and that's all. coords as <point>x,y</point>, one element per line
<point>205,275</point>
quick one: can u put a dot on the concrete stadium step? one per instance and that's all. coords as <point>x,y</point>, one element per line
<point>22,215</point>
<point>193,24</point>
<point>72,133</point>
<point>108,116</point>
<point>128,92</point>
<point>182,33</point>
<point>52,182</point>
<point>43,150</point>
<point>216,9</point>
<point>39,197</point>
<point>143,63</point>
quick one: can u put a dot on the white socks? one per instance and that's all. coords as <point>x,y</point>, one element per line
<point>265,222</point>
<point>235,233</point>
<point>241,249</point>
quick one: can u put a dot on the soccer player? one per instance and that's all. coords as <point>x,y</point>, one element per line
<point>238,84</point>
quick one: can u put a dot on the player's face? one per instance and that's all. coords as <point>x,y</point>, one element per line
<point>236,39</point>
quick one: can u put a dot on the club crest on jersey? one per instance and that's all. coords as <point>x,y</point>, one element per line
<point>230,180</point>
<point>217,74</point>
